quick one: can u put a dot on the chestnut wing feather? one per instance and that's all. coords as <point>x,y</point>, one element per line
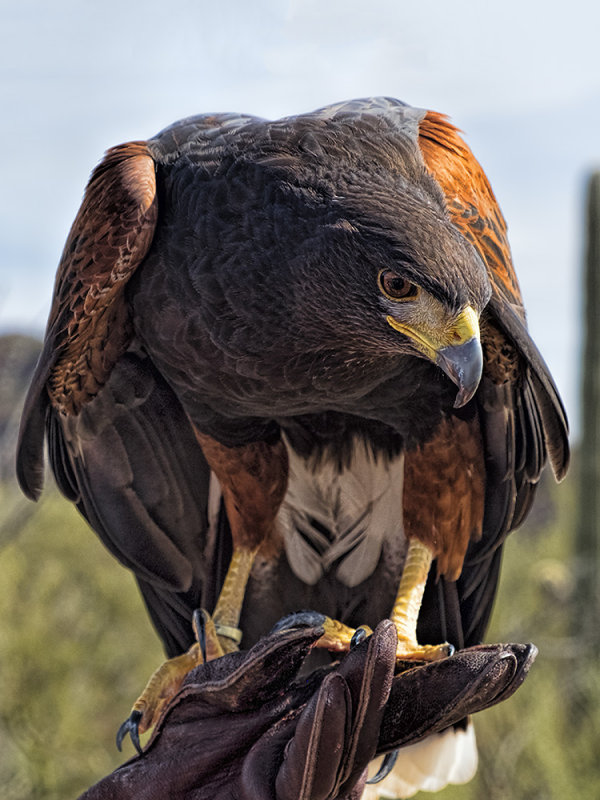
<point>88,328</point>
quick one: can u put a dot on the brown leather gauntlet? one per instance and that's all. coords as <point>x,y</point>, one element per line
<point>245,726</point>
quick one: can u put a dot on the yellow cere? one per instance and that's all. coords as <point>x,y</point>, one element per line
<point>464,327</point>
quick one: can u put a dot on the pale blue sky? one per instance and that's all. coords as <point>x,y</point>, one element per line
<point>521,79</point>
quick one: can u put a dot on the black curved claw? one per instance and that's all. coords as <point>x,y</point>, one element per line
<point>359,635</point>
<point>387,765</point>
<point>131,727</point>
<point>199,623</point>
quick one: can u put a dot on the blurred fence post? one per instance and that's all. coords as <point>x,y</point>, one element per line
<point>587,608</point>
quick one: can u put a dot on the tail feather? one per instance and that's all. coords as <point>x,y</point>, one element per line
<point>430,765</point>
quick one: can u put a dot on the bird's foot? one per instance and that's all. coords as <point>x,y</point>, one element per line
<point>340,638</point>
<point>213,641</point>
<point>407,606</point>
<point>337,637</point>
<point>215,636</point>
<point>161,687</point>
<point>410,650</point>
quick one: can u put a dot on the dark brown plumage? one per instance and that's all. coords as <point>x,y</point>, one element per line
<point>293,305</point>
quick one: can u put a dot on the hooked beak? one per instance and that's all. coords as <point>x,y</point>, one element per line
<point>454,347</point>
<point>463,364</point>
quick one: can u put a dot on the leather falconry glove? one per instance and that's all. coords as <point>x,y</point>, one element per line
<point>246,726</point>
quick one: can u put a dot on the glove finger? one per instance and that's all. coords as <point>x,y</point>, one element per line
<point>467,682</point>
<point>368,670</point>
<point>524,654</point>
<point>310,770</point>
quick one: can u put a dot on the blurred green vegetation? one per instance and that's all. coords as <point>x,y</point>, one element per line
<point>76,647</point>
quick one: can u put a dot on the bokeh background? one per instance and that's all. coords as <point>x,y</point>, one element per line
<point>521,79</point>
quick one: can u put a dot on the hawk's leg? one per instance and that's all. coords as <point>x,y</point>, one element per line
<point>408,604</point>
<point>215,636</point>
<point>442,510</point>
<point>253,480</point>
<point>224,635</point>
<point>338,637</point>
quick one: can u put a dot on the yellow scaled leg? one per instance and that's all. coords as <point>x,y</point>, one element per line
<point>408,604</point>
<point>226,615</point>
<point>216,636</point>
<point>340,638</point>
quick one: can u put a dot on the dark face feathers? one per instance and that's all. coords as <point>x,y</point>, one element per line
<point>318,243</point>
<point>328,275</point>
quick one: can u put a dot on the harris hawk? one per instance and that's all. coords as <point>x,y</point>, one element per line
<point>287,367</point>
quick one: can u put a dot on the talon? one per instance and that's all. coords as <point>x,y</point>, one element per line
<point>387,765</point>
<point>337,637</point>
<point>199,625</point>
<point>359,635</point>
<point>131,727</point>
<point>209,636</point>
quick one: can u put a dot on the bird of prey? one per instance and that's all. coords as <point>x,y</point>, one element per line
<point>287,367</point>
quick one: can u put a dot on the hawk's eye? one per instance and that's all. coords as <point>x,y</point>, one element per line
<point>395,287</point>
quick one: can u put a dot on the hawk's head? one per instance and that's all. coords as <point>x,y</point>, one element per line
<point>388,272</point>
<point>326,264</point>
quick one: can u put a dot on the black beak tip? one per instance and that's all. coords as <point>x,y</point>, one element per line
<point>462,397</point>
<point>463,364</point>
